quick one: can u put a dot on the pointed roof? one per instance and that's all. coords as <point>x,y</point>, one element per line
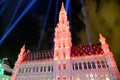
<point>62,12</point>
<point>101,39</point>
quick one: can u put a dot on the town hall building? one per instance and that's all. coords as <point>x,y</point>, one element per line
<point>67,62</point>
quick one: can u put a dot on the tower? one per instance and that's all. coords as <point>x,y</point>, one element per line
<point>109,58</point>
<point>62,47</point>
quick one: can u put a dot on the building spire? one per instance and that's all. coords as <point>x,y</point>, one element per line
<point>62,38</point>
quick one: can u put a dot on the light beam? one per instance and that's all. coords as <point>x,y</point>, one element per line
<point>4,5</point>
<point>15,23</point>
<point>85,22</point>
<point>16,9</point>
<point>44,25</point>
<point>67,5</point>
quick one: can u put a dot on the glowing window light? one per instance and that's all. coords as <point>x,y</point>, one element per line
<point>78,79</point>
<point>107,78</point>
<point>91,75</point>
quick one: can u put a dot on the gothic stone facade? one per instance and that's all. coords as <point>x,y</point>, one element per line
<point>67,62</point>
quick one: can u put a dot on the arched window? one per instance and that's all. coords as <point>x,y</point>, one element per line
<point>85,66</point>
<point>98,63</point>
<point>93,65</point>
<point>103,64</point>
<point>89,65</point>
<point>80,66</point>
<point>76,66</point>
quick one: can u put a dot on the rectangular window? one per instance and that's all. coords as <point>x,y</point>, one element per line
<point>29,70</point>
<point>23,70</point>
<point>44,68</point>
<point>73,66</point>
<point>85,65</point>
<point>36,69</point>
<point>64,66</point>
<point>48,68</point>
<point>41,69</point>
<point>20,70</point>
<point>93,65</point>
<point>76,66</point>
<point>33,69</point>
<point>52,68</point>
<point>26,70</point>
<point>59,67</point>
<point>80,66</point>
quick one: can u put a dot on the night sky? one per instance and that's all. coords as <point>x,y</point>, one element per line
<point>102,16</point>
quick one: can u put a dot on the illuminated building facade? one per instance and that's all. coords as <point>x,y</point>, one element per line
<point>5,69</point>
<point>67,62</point>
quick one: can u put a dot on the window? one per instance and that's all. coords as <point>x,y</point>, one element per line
<point>29,70</point>
<point>20,70</point>
<point>41,69</point>
<point>106,64</point>
<point>64,66</point>
<point>80,66</point>
<point>64,55</point>
<point>44,68</point>
<point>89,65</point>
<point>64,78</point>
<point>36,69</point>
<point>48,68</point>
<point>23,70</point>
<point>33,69</point>
<point>59,67</point>
<point>98,63</point>
<point>73,66</point>
<point>52,68</point>
<point>76,66</point>
<point>93,65</point>
<point>85,66</point>
<point>103,64</point>
<point>58,78</point>
<point>26,70</point>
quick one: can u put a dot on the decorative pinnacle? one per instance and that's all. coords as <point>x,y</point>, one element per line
<point>62,6</point>
<point>23,48</point>
<point>101,39</point>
